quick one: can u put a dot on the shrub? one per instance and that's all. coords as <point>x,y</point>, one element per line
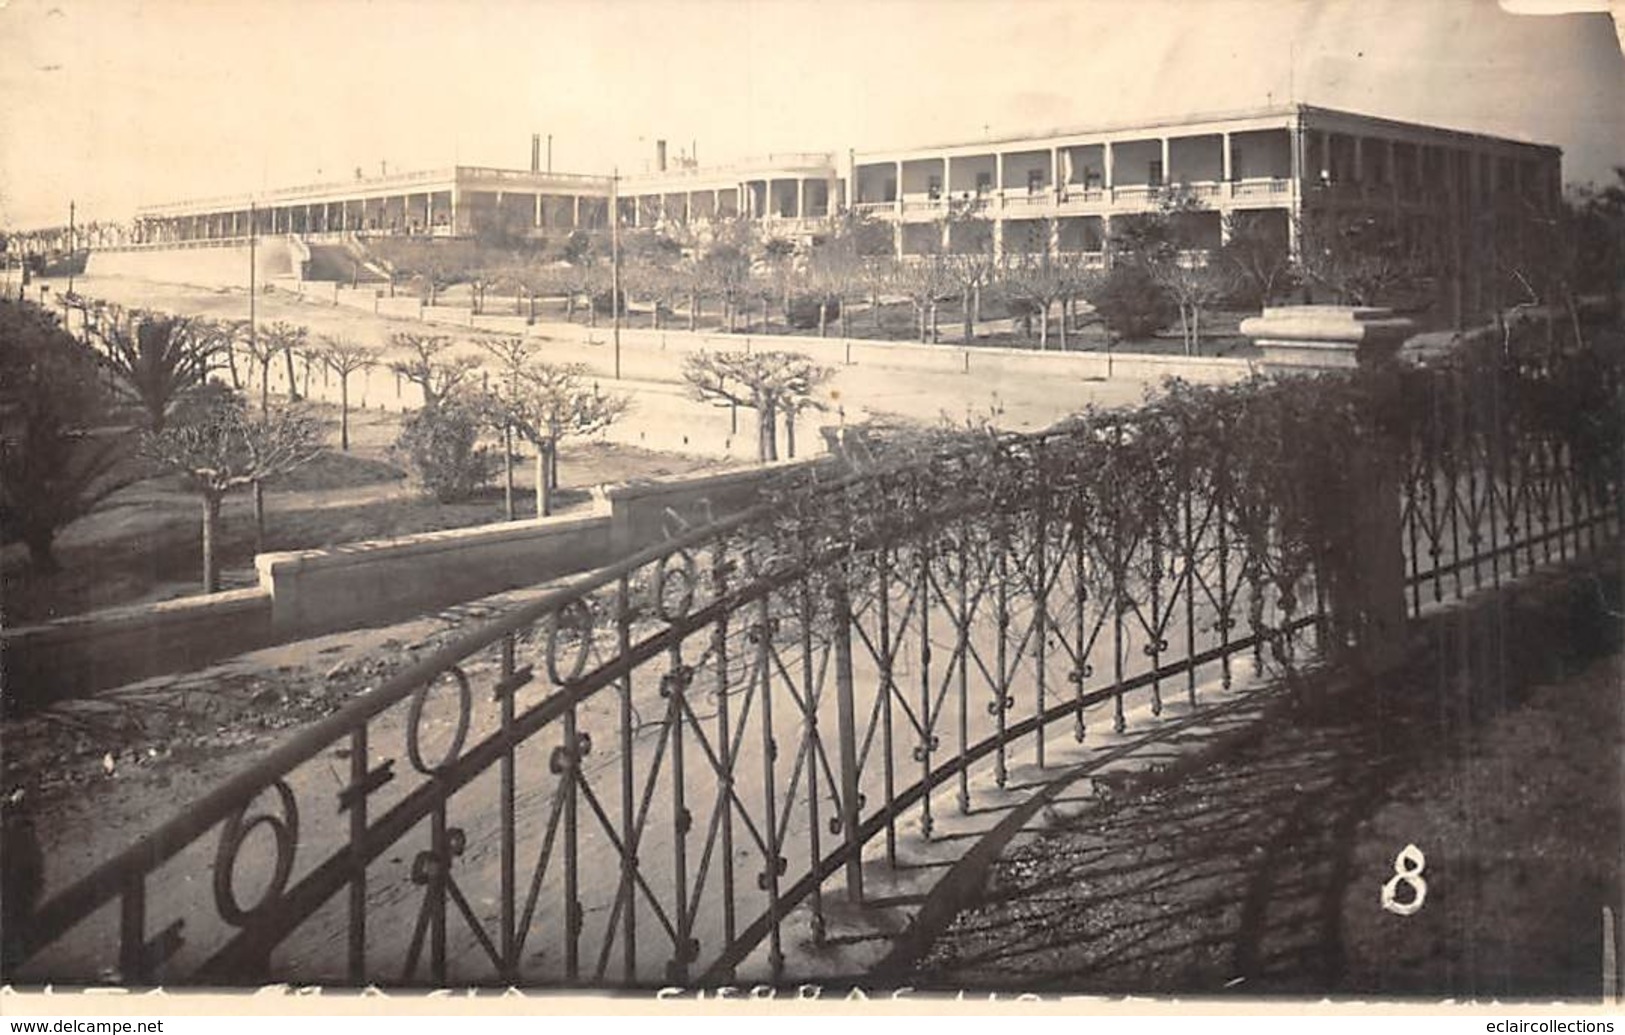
<point>440,444</point>
<point>1131,303</point>
<point>802,312</point>
<point>603,302</point>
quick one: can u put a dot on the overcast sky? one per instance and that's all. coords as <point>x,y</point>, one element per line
<point>115,103</point>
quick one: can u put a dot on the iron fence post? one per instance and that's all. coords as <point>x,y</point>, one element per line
<point>847,733</point>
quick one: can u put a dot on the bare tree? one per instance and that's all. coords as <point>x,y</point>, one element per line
<point>925,280</point>
<point>222,448</point>
<point>767,382</point>
<point>1357,258</point>
<point>1038,281</point>
<point>551,403</point>
<point>265,345</point>
<point>1194,285</point>
<point>970,258</point>
<point>428,367</point>
<point>513,355</point>
<point>837,264</point>
<point>344,357</point>
<point>1257,260</point>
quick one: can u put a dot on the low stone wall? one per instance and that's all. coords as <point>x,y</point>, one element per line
<point>210,265</point>
<point>370,583</point>
<point>75,656</point>
<point>311,592</point>
<point>642,513</point>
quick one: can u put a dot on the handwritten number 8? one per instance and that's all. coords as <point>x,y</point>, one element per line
<point>1407,870</point>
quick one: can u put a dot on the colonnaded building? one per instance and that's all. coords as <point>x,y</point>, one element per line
<point>1061,190</point>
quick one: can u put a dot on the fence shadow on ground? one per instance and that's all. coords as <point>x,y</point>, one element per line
<point>1236,879</point>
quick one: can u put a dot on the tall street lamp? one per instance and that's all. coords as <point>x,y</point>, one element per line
<point>615,264</point>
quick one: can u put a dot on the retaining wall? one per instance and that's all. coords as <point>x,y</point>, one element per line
<point>202,265</point>
<point>644,512</point>
<point>312,592</point>
<point>75,656</point>
<point>320,591</point>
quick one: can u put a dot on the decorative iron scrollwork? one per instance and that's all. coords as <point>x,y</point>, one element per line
<point>284,829</point>
<point>677,680</point>
<point>575,619</point>
<point>923,750</point>
<point>564,757</point>
<point>414,722</point>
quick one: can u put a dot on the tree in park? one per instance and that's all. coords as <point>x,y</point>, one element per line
<point>543,403</point>
<point>970,258</point>
<point>157,358</point>
<point>264,345</point>
<point>767,382</point>
<point>513,355</point>
<point>554,402</point>
<point>344,357</point>
<point>54,468</point>
<point>1595,217</point>
<point>429,367</point>
<point>1195,285</point>
<point>1358,258</point>
<point>530,279</point>
<point>722,264</point>
<point>1166,244</point>
<point>221,447</point>
<point>221,337</point>
<point>926,281</point>
<point>1256,259</point>
<point>1035,282</point>
<point>1131,303</point>
<point>441,444</point>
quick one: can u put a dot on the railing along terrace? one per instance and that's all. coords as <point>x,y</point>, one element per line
<point>1513,460</point>
<point>663,770</point>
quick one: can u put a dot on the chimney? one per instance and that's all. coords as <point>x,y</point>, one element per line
<point>660,155</point>
<point>535,152</point>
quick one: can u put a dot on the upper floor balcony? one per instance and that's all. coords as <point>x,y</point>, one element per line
<point>1078,199</point>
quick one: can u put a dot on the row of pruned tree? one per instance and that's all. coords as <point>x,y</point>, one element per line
<point>540,402</point>
<point>69,405</point>
<point>1165,268</point>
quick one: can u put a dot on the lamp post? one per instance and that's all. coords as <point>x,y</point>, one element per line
<point>252,238</point>
<point>71,249</point>
<point>615,264</point>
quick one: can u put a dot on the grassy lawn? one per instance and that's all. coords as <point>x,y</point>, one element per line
<point>144,543</point>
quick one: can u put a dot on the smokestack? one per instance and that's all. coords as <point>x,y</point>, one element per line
<point>535,152</point>
<point>660,155</point>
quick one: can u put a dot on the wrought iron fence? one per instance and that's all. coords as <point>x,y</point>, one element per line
<point>1513,461</point>
<point>662,771</point>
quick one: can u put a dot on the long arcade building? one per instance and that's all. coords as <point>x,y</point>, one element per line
<point>1059,190</point>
